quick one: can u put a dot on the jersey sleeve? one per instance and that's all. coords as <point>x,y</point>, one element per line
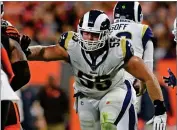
<point>65,38</point>
<point>148,55</point>
<point>127,49</point>
<point>146,35</point>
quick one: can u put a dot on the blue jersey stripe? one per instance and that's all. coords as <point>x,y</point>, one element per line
<point>126,102</point>
<point>147,36</point>
<point>129,51</point>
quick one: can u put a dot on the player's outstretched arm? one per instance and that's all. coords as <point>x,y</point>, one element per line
<point>47,53</point>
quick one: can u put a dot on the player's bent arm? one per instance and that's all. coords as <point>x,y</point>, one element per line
<point>19,65</point>
<point>16,52</point>
<point>138,69</point>
<point>47,53</point>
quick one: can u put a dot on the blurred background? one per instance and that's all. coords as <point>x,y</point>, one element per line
<point>48,98</point>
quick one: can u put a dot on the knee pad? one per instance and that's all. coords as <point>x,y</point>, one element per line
<point>87,120</point>
<point>108,126</point>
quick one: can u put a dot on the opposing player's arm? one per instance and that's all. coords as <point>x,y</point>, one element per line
<point>137,68</point>
<point>16,52</point>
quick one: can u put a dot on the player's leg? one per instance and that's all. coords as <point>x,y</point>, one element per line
<point>4,112</point>
<point>115,106</point>
<point>88,115</point>
<point>13,120</point>
<point>7,96</point>
<point>129,120</point>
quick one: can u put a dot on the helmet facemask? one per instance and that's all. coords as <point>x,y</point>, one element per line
<point>91,45</point>
<point>97,24</point>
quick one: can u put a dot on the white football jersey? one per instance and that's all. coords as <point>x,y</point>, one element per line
<point>96,75</point>
<point>139,34</point>
<point>7,93</point>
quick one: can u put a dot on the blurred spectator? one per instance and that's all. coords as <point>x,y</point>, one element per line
<point>28,95</point>
<point>55,104</point>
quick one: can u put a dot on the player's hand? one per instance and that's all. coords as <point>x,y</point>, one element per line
<point>159,122</point>
<point>139,87</point>
<point>24,42</point>
<point>171,80</point>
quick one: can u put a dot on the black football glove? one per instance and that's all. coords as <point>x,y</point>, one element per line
<point>25,41</point>
<point>171,80</point>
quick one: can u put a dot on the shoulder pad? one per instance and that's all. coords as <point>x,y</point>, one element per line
<point>127,49</point>
<point>66,37</point>
<point>147,34</point>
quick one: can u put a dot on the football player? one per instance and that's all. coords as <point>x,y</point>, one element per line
<point>7,94</point>
<point>14,45</point>
<point>128,18</point>
<point>127,22</point>
<point>21,76</point>
<point>103,96</point>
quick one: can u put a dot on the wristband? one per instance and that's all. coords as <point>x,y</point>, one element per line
<point>159,107</point>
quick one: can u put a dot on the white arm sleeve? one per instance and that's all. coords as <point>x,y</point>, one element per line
<point>148,55</point>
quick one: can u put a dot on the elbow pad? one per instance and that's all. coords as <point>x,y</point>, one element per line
<point>22,74</point>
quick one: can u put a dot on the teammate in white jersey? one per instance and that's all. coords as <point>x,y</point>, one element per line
<point>127,22</point>
<point>103,96</point>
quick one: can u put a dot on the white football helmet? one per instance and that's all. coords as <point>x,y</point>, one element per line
<point>175,30</point>
<point>94,21</point>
